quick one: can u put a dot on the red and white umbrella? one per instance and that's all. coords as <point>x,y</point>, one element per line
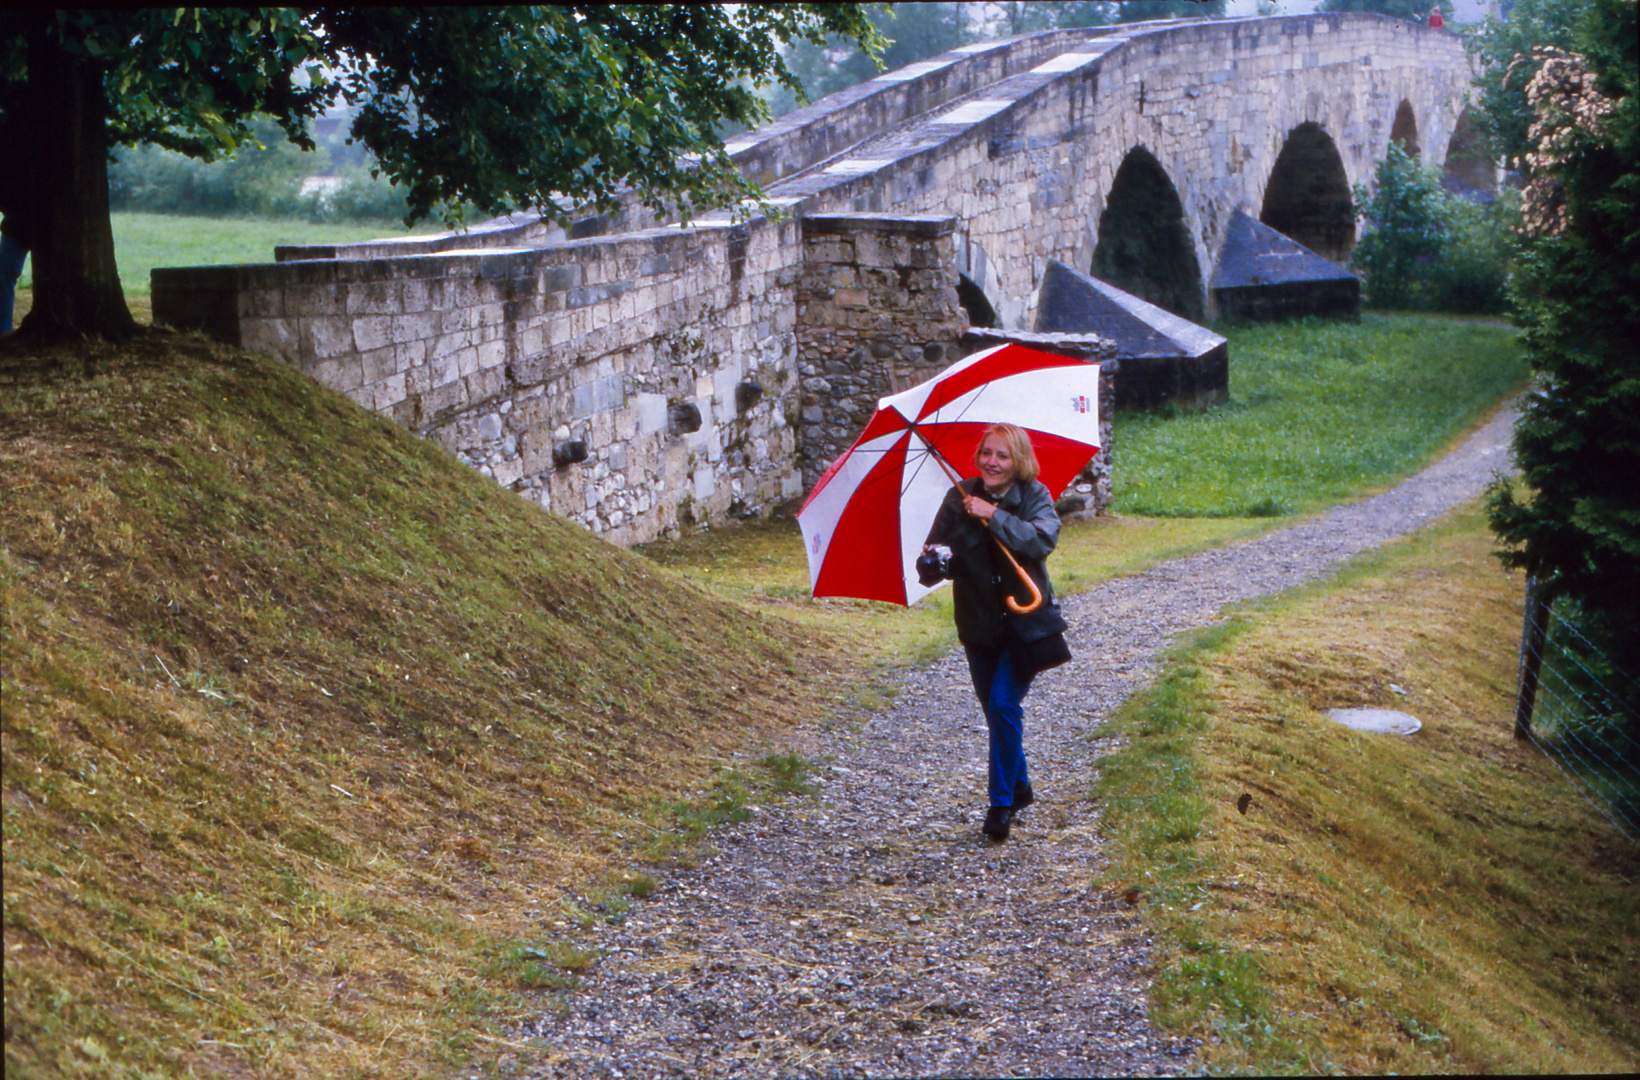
<point>866,519</point>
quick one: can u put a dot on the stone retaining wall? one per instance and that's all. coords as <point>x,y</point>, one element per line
<point>643,347</point>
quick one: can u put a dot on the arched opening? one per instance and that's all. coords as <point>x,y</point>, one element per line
<point>1308,196</point>
<point>1144,244</point>
<point>1468,170</point>
<point>1405,130</point>
<point>975,303</point>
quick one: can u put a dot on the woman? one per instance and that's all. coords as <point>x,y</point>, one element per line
<point>1005,502</point>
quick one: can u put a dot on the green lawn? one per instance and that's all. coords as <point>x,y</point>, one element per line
<point>144,241</point>
<point>1319,412</point>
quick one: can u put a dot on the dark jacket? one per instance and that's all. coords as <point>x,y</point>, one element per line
<point>980,575</point>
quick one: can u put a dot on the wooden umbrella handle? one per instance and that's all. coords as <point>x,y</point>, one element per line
<point>1036,594</point>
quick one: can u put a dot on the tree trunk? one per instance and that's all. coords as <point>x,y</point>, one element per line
<point>62,121</point>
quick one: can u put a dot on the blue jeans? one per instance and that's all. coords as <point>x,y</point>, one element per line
<point>12,255</point>
<point>1002,695</point>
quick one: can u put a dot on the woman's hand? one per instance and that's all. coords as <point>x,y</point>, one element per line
<point>978,507</point>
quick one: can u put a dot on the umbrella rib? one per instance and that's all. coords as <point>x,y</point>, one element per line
<point>979,392</point>
<point>930,451</point>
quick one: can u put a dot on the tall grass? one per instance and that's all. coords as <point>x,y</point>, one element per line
<point>1319,412</point>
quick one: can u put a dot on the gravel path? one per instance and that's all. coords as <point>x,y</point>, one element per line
<point>872,931</point>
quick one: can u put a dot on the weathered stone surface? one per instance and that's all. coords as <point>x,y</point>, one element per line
<point>853,343</point>
<point>1261,275</point>
<point>1164,359</point>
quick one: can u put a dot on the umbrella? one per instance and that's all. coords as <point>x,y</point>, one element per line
<point>866,519</point>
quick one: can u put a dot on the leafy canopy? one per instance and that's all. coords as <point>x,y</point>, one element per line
<point>1503,50</point>
<point>1577,290</point>
<point>500,107</point>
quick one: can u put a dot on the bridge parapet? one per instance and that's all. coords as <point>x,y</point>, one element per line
<point>787,145</point>
<point>503,355</point>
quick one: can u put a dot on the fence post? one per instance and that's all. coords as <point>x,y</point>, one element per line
<point>1534,635</point>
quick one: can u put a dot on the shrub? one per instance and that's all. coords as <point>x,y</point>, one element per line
<point>263,179</point>
<point>1406,208</point>
<point>161,181</point>
<point>1429,250</point>
<point>1470,273</point>
<point>364,198</point>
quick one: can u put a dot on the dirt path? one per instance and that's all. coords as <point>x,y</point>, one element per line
<point>874,932</point>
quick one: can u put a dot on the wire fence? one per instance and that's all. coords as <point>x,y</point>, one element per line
<point>1579,708</point>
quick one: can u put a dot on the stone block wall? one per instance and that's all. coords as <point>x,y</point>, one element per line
<point>645,347</point>
<point>877,312</point>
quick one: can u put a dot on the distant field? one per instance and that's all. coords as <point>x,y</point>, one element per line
<point>144,241</point>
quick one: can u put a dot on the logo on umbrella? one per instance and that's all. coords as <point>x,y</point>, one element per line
<point>1079,403</point>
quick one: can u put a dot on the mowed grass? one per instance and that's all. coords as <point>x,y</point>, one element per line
<point>1319,412</point>
<point>321,750</point>
<point>1444,902</point>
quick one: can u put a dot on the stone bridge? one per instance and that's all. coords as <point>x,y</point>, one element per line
<point>636,376</point>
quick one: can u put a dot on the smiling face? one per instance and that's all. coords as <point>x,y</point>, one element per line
<point>996,462</point>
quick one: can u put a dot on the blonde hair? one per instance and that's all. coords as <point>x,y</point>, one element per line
<point>1019,446</point>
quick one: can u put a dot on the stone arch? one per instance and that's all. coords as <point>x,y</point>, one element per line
<point>1405,130</point>
<point>1307,197</point>
<point>1468,171</point>
<point>1144,244</point>
<point>977,284</point>
<point>981,312</point>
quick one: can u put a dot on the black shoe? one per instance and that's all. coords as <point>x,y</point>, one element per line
<point>1023,797</point>
<point>997,820</point>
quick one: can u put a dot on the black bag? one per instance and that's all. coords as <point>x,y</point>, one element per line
<point>1040,637</point>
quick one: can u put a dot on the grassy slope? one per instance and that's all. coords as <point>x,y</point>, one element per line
<point>1446,902</point>
<point>303,719</point>
<point>190,691</point>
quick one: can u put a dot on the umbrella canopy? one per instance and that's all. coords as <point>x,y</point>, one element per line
<point>865,521</point>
